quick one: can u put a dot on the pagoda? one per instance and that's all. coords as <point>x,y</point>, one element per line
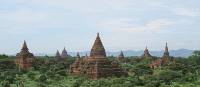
<point>64,53</point>
<point>77,65</point>
<point>57,56</point>
<point>97,64</point>
<point>166,57</point>
<point>121,57</point>
<point>24,59</point>
<point>146,53</point>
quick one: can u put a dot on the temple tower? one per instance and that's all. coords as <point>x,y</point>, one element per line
<point>98,48</point>
<point>76,67</point>
<point>97,65</point>
<point>165,57</point>
<point>121,57</point>
<point>24,59</point>
<point>58,55</point>
<point>64,53</point>
<point>146,53</point>
<point>166,53</point>
<point>78,59</point>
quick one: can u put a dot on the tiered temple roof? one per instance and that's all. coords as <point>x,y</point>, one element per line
<point>98,48</point>
<point>64,53</point>
<point>121,57</point>
<point>146,53</point>
<point>165,59</point>
<point>58,56</point>
<point>166,53</point>
<point>24,59</point>
<point>97,65</point>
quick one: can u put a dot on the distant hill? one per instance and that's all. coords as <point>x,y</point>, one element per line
<point>175,53</point>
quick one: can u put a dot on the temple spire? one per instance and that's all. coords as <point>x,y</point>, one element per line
<point>166,53</point>
<point>98,48</point>
<point>146,53</point>
<point>64,53</point>
<point>121,57</point>
<point>58,54</point>
<point>98,34</point>
<point>121,54</point>
<point>24,47</point>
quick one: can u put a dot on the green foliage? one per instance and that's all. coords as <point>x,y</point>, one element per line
<point>47,72</point>
<point>141,70</point>
<point>3,56</point>
<point>168,76</point>
<point>195,58</point>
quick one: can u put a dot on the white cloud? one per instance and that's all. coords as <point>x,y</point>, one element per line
<point>128,25</point>
<point>20,21</point>
<point>159,24</point>
<point>191,12</point>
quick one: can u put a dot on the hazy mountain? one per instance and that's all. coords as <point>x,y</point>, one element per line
<point>176,53</point>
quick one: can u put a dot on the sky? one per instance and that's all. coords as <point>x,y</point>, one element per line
<point>48,25</point>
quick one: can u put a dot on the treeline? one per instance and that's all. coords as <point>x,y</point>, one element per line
<point>3,56</point>
<point>47,72</point>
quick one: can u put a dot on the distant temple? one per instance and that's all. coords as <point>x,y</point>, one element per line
<point>165,59</point>
<point>24,59</point>
<point>64,53</point>
<point>146,53</point>
<point>96,65</point>
<point>121,57</point>
<point>58,56</point>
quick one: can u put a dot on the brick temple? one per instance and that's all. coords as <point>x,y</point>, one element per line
<point>120,57</point>
<point>97,65</point>
<point>64,53</point>
<point>61,57</point>
<point>24,59</point>
<point>166,59</point>
<point>146,53</point>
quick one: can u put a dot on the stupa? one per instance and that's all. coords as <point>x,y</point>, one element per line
<point>97,65</point>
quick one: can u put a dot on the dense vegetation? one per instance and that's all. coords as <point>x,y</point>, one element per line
<point>46,72</point>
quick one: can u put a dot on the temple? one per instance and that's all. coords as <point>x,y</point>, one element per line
<point>166,59</point>
<point>97,64</point>
<point>57,56</point>
<point>64,53</point>
<point>146,53</point>
<point>24,59</point>
<point>121,58</point>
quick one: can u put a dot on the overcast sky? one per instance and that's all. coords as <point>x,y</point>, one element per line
<point>48,25</point>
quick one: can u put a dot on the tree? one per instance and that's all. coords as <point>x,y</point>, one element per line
<point>141,70</point>
<point>168,76</point>
<point>195,58</point>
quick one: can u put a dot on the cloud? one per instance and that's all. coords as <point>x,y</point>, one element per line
<point>20,21</point>
<point>158,24</point>
<point>191,12</point>
<point>128,25</point>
